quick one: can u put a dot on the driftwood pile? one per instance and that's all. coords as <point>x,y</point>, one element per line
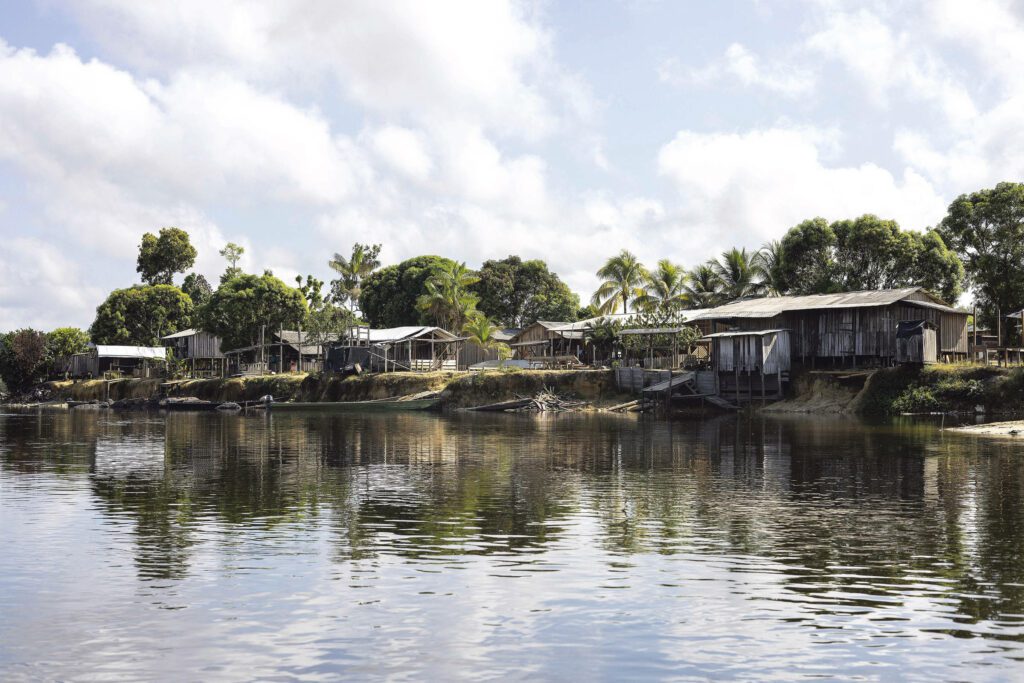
<point>546,401</point>
<point>635,406</point>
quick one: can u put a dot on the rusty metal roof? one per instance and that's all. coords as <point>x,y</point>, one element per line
<point>769,307</point>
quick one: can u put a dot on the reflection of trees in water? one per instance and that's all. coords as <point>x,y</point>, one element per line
<point>805,496</point>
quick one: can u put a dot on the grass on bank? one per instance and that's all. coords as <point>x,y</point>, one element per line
<point>944,388</point>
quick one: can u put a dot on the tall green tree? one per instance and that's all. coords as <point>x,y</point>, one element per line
<point>389,295</point>
<point>141,315</point>
<point>61,344</point>
<point>197,288</point>
<point>933,265</point>
<point>516,293</point>
<point>313,291</point>
<point>740,274</point>
<point>160,257</point>
<point>986,229</point>
<point>22,358</point>
<point>352,271</point>
<point>809,266</point>
<point>868,254</point>
<point>247,304</point>
<point>232,253</point>
<point>448,298</point>
<point>665,288</point>
<point>704,287</point>
<point>622,280</point>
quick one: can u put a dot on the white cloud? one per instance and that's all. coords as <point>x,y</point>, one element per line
<point>403,150</point>
<point>488,62</point>
<point>741,64</point>
<point>749,187</point>
<point>888,62</point>
<point>40,288</point>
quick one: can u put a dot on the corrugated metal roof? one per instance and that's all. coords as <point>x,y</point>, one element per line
<point>652,330</point>
<point>391,335</point>
<point>768,307</point>
<point>113,351</point>
<point>506,334</point>
<point>744,333</point>
<point>178,335</point>
<point>624,319</point>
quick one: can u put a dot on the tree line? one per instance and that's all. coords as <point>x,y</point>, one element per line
<point>978,245</point>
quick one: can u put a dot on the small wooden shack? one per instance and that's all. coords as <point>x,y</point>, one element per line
<point>200,350</point>
<point>916,342</point>
<point>104,359</point>
<point>281,351</point>
<point>543,338</point>
<point>751,364</point>
<point>410,349</point>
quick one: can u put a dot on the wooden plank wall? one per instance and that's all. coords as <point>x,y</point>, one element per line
<point>871,331</point>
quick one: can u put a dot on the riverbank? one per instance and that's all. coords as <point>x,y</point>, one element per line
<point>1011,429</point>
<point>456,389</point>
<point>886,392</point>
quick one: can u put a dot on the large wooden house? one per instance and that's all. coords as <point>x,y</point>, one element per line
<point>850,328</point>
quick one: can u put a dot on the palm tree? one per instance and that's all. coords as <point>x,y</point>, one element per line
<point>704,287</point>
<point>602,334</point>
<point>665,288</point>
<point>448,298</point>
<point>769,259</point>
<point>740,274</point>
<point>480,330</point>
<point>622,280</point>
<point>352,272</point>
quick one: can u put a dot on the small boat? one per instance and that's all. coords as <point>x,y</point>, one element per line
<point>350,406</point>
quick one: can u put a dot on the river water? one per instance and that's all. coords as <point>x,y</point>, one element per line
<point>575,547</point>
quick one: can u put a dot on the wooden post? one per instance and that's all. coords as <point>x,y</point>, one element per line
<point>736,375</point>
<point>974,350</point>
<point>299,326</point>
<point>762,387</point>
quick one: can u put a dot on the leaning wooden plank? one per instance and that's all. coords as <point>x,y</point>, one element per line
<point>505,405</point>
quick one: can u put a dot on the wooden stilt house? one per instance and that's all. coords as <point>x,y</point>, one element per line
<point>847,329</point>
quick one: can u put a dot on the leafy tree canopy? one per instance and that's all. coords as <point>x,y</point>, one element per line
<point>22,358</point>
<point>197,288</point>
<point>243,305</point>
<point>516,293</point>
<point>62,343</point>
<point>986,230</point>
<point>866,253</point>
<point>389,295</point>
<point>161,257</point>
<point>808,265</point>
<point>141,315</point>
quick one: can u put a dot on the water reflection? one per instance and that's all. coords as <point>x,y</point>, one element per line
<point>845,531</point>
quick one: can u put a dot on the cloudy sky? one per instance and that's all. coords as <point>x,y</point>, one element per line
<point>559,130</point>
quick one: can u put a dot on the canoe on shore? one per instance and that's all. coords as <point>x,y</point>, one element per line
<point>339,406</point>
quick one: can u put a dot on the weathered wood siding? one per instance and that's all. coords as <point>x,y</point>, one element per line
<point>869,331</point>
<point>471,354</point>
<point>770,352</point>
<point>917,348</point>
